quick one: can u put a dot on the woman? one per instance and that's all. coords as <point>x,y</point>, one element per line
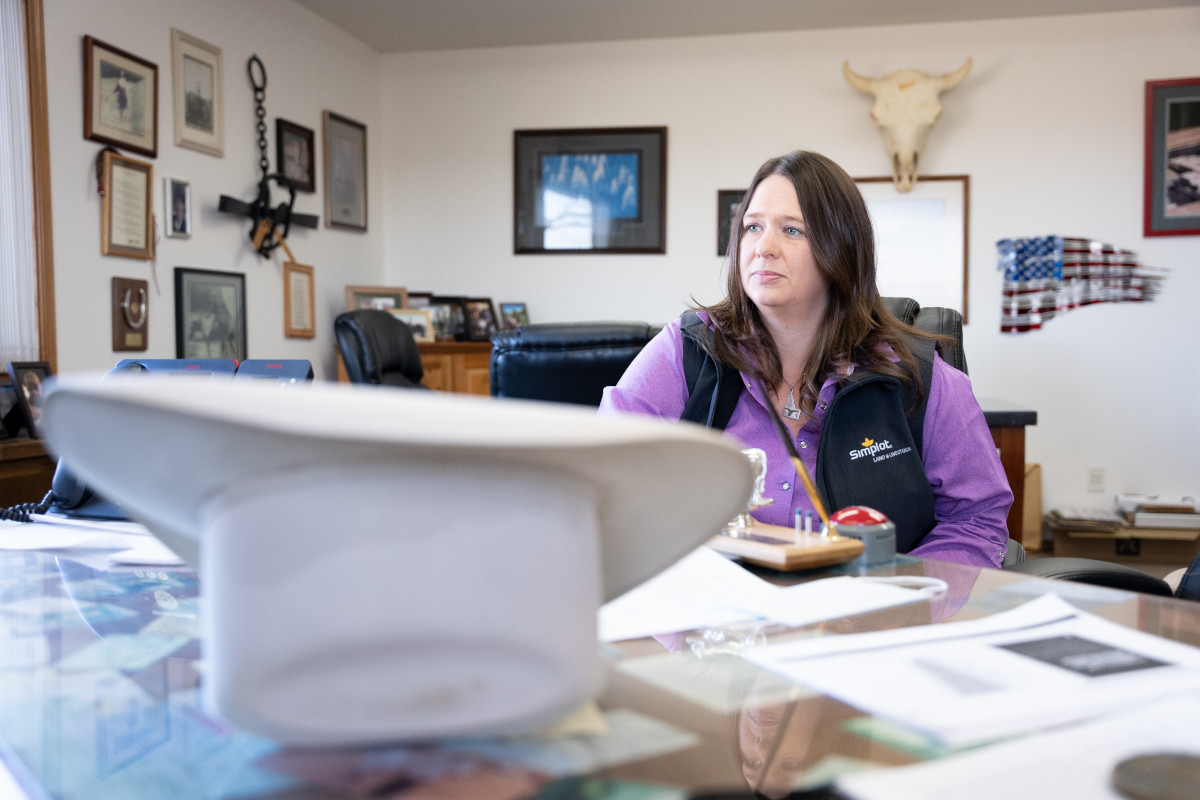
<point>802,312</point>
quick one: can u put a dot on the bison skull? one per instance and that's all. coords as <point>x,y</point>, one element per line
<point>906,109</point>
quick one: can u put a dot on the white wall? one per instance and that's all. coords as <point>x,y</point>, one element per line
<point>311,66</point>
<point>1049,126</point>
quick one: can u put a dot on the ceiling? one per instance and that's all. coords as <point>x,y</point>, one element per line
<point>404,26</point>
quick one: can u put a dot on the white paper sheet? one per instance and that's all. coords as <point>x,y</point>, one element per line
<point>1074,762</point>
<point>1043,663</point>
<point>706,589</point>
<point>130,542</point>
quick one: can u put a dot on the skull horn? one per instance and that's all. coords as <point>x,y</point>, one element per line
<point>952,79</point>
<point>858,81</point>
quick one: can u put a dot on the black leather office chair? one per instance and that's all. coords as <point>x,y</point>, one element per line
<point>937,320</point>
<point>1094,572</point>
<point>378,349</point>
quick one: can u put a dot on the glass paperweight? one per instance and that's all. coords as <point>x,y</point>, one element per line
<point>740,525</point>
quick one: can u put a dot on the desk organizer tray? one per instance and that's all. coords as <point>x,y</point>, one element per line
<point>777,547</point>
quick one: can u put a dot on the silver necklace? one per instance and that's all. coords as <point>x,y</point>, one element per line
<point>789,408</point>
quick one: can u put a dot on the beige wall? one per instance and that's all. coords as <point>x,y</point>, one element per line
<point>1048,126</point>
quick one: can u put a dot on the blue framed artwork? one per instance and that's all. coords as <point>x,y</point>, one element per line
<point>592,190</point>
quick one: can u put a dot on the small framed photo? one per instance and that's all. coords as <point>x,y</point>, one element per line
<point>384,298</point>
<point>299,305</point>
<point>294,154</point>
<point>28,378</point>
<point>345,173</point>
<point>210,314</point>
<point>728,201</point>
<point>513,316</point>
<point>11,419</point>
<point>420,320</point>
<point>449,317</point>
<point>126,223</point>
<point>120,98</point>
<point>177,196</point>
<point>1172,202</point>
<point>481,319</point>
<point>590,190</point>
<point>419,299</point>
<point>199,104</point>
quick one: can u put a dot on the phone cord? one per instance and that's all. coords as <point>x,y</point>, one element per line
<point>21,512</point>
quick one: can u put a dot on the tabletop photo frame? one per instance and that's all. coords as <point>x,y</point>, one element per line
<point>590,190</point>
<point>922,238</point>
<point>382,297</point>
<point>120,98</point>
<point>299,302</point>
<point>199,102</point>
<point>345,172</point>
<point>28,381</point>
<point>513,316</point>
<point>210,314</point>
<point>419,321</point>
<point>481,319</point>
<point>294,154</point>
<point>1172,183</point>
<point>126,218</point>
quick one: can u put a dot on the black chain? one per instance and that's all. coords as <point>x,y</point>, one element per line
<point>260,110</point>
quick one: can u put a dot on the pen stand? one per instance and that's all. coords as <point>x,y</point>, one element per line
<point>740,526</point>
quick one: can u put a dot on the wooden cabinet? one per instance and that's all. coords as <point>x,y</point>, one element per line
<point>450,366</point>
<point>457,366</point>
<point>25,471</point>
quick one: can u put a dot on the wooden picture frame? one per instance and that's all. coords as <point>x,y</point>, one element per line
<point>210,314</point>
<point>559,205</point>
<point>120,98</point>
<point>922,238</point>
<point>381,297</point>
<point>481,319</point>
<point>513,316</point>
<point>199,101</point>
<point>294,154</point>
<point>345,172</point>
<point>299,303</point>
<point>130,315</point>
<point>1172,183</point>
<point>419,320</point>
<point>177,208</point>
<point>728,201</point>
<point>126,221</point>
<point>28,379</point>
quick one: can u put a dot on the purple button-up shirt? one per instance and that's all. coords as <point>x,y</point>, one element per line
<point>971,494</point>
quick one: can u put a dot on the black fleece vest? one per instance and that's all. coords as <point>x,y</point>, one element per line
<point>869,452</point>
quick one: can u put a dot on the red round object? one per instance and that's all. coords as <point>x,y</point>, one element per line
<point>858,515</point>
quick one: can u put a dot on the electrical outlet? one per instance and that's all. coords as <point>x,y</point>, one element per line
<point>1096,480</point>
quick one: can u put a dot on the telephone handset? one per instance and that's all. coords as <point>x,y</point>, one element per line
<point>69,497</point>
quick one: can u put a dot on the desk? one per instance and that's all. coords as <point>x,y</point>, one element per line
<point>1007,423</point>
<point>25,471</point>
<point>99,673</point>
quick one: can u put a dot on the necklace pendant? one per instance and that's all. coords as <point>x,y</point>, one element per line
<point>789,408</point>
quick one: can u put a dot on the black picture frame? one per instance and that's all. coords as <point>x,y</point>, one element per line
<point>28,381</point>
<point>294,154</point>
<point>481,319</point>
<point>1172,185</point>
<point>625,213</point>
<point>449,316</point>
<point>728,201</point>
<point>210,314</point>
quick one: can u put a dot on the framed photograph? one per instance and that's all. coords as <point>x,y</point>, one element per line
<point>1172,205</point>
<point>126,224</point>
<point>177,199</point>
<point>10,413</point>
<point>381,297</point>
<point>922,238</point>
<point>420,320</point>
<point>481,319</point>
<point>419,299</point>
<point>210,314</point>
<point>27,379</point>
<point>728,201</point>
<point>299,306</point>
<point>294,154</point>
<point>120,98</point>
<point>345,173</point>
<point>513,316</point>
<point>449,317</point>
<point>590,190</point>
<point>199,104</point>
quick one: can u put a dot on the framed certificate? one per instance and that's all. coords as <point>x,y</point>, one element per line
<point>125,218</point>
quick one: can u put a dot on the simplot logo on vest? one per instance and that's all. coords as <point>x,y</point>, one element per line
<point>870,447</point>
